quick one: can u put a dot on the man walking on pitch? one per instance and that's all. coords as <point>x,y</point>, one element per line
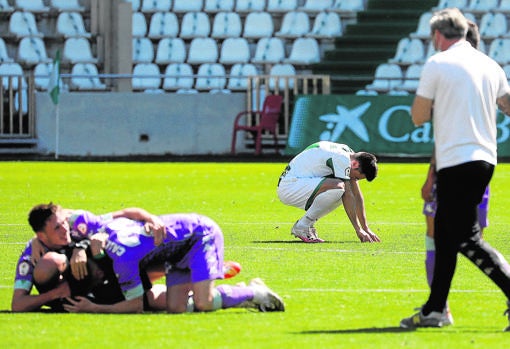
<point>463,86</point>
<point>321,178</point>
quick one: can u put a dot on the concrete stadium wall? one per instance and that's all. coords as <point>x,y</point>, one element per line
<point>122,124</point>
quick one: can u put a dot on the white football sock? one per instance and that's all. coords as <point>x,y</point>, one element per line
<point>323,204</point>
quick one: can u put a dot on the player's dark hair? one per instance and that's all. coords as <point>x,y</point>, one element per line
<point>368,165</point>
<point>40,214</point>
<point>473,34</point>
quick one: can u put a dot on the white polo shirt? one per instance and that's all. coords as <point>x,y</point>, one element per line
<point>464,84</point>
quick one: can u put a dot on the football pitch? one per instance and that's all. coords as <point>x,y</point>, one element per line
<point>338,294</point>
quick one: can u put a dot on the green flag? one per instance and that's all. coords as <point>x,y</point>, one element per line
<point>54,83</point>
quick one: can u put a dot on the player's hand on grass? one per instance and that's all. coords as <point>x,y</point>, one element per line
<point>79,305</point>
<point>79,264</point>
<point>367,236</point>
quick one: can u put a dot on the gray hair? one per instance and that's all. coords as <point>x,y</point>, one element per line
<point>450,22</point>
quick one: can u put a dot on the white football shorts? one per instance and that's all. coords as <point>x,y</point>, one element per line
<point>295,192</point>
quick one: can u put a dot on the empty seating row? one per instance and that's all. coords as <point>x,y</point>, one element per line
<point>410,51</point>
<point>232,50</point>
<point>177,76</point>
<point>32,50</point>
<point>229,24</point>
<point>209,76</point>
<point>38,6</point>
<point>69,24</point>
<point>475,6</point>
<point>389,79</point>
<point>240,6</point>
<point>491,25</point>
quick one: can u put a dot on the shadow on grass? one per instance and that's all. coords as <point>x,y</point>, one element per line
<point>394,329</point>
<point>301,242</point>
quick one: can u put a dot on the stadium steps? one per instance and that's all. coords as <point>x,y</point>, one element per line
<point>370,42</point>
<point>18,145</point>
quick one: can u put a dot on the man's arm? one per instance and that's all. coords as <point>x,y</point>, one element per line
<point>83,305</point>
<point>350,205</point>
<point>23,301</point>
<point>421,110</point>
<point>504,103</point>
<point>153,224</point>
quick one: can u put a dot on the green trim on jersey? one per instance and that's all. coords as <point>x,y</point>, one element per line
<point>310,199</point>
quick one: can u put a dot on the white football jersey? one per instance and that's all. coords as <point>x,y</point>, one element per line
<point>322,159</point>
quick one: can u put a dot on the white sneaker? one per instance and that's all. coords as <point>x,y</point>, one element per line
<point>308,235</point>
<point>447,317</point>
<point>264,298</point>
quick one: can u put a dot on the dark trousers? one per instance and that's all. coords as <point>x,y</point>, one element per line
<point>459,191</point>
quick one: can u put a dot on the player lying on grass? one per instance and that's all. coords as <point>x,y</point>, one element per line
<point>192,252</point>
<point>321,178</point>
<point>45,262</point>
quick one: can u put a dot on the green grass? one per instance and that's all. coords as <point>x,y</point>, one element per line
<point>340,294</point>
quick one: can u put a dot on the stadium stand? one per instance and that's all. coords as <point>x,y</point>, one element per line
<point>281,6</point>
<point>258,25</point>
<point>269,50</point>
<point>347,7</point>
<point>504,6</point>
<point>42,72</point>
<point>461,4</point>
<point>22,24</point>
<point>182,6</point>
<point>12,73</point>
<point>171,50</point>
<point>327,25</point>
<point>226,25</point>
<point>67,5</point>
<point>411,77</point>
<point>387,77</point>
<point>78,50</point>
<point>146,76</point>
<point>143,50</point>
<point>493,25</point>
<point>163,25</point>
<point>135,4</point>
<point>280,75</point>
<point>85,77</point>
<point>213,6</point>
<point>211,76</point>
<point>202,50</point>
<point>481,6</point>
<point>34,6</point>
<point>5,7</point>
<point>239,72</point>
<point>234,50</point>
<point>31,50</point>
<point>304,51</point>
<point>423,29</point>
<point>409,51</point>
<point>152,6</point>
<point>195,25</point>
<point>316,6</point>
<point>243,6</point>
<point>70,24</point>
<point>139,25</point>
<point>499,50</point>
<point>4,54</point>
<point>295,24</point>
<point>178,76</point>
